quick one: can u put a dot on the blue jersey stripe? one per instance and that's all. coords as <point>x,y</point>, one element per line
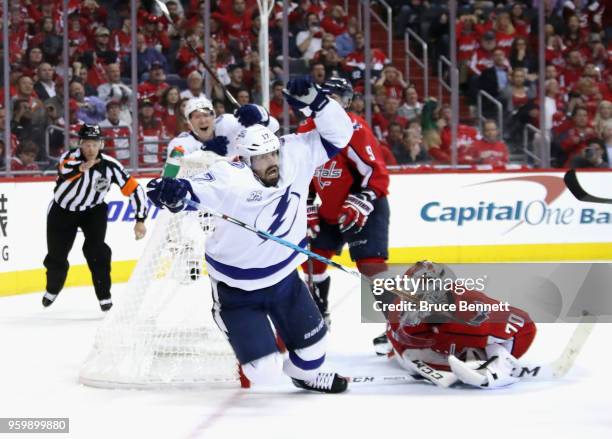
<point>330,148</point>
<point>252,273</point>
<point>306,364</point>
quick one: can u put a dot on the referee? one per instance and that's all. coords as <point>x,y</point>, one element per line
<point>84,178</point>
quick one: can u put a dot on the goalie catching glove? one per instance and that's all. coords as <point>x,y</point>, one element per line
<point>355,211</point>
<point>171,193</point>
<point>303,94</point>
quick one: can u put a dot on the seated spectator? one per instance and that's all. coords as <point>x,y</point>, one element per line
<point>48,40</point>
<point>156,84</point>
<point>45,86</point>
<point>345,42</point>
<point>155,33</point>
<point>574,36</point>
<point>332,63</point>
<point>114,89</point>
<point>318,73</point>
<point>327,42</point>
<point>595,52</point>
<point>34,57</point>
<point>354,63</point>
<point>381,121</point>
<point>555,51</point>
<point>574,67</point>
<point>592,156</point>
<point>146,57</point>
<point>121,39</point>
<point>504,32</point>
<point>168,109</point>
<point>577,135</point>
<point>467,43</point>
<point>522,57</point>
<point>243,97</point>
<point>393,82</point>
<point>102,47</point>
<point>603,117</point>
<point>555,105</point>
<point>218,105</point>
<point>393,141</point>
<point>277,103</point>
<point>482,58</point>
<point>236,22</point>
<point>606,136</point>
<point>80,71</point>
<point>236,74</point>
<point>519,20</point>
<point>358,105</point>
<point>489,150</point>
<point>117,133</point>
<point>150,136</point>
<point>186,60</point>
<point>412,149</point>
<point>56,128</point>
<point>195,86</point>
<point>411,108</point>
<point>335,20</point>
<point>25,158</point>
<point>515,98</point>
<point>309,41</point>
<point>91,109</point>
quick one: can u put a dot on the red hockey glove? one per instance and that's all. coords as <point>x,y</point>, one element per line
<point>312,219</point>
<point>355,211</point>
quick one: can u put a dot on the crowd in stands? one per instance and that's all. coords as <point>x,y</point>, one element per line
<point>496,42</point>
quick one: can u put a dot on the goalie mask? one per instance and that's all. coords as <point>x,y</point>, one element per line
<point>430,281</point>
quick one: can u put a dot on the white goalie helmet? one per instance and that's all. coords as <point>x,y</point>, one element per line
<point>198,104</point>
<point>255,140</point>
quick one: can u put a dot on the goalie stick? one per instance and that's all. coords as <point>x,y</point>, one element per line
<point>572,183</point>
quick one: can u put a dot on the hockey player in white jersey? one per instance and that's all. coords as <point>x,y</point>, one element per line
<point>210,137</point>
<point>254,279</point>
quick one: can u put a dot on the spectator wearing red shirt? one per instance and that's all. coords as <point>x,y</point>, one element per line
<point>393,82</point>
<point>519,20</point>
<point>575,35</point>
<point>334,21</point>
<point>121,39</point>
<point>117,133</point>
<point>186,61</point>
<point>440,149</point>
<point>573,69</point>
<point>236,23</point>
<point>151,134</point>
<point>156,84</point>
<point>580,131</point>
<point>354,63</point>
<point>168,110</point>
<point>489,150</point>
<point>381,120</point>
<point>555,51</point>
<point>48,40</point>
<point>467,43</point>
<point>25,157</point>
<point>155,34</point>
<point>504,32</point>
<point>276,103</point>
<point>392,142</point>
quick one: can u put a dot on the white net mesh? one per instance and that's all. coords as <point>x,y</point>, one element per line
<point>161,331</point>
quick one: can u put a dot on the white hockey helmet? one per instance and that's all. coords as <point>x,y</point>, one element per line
<point>198,104</point>
<point>255,140</point>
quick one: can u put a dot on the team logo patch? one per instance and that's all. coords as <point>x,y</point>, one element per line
<point>102,184</point>
<point>278,216</point>
<point>254,196</point>
<point>322,173</point>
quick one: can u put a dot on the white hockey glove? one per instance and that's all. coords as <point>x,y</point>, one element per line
<point>491,374</point>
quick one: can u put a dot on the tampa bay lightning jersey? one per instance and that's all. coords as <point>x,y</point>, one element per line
<point>225,125</point>
<point>241,258</point>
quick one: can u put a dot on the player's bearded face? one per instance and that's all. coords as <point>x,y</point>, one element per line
<point>203,124</point>
<point>266,167</point>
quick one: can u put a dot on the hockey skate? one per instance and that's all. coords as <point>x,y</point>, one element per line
<point>48,299</point>
<point>325,382</point>
<point>106,304</point>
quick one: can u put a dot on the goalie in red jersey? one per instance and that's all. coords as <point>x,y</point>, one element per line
<point>480,347</point>
<point>352,188</point>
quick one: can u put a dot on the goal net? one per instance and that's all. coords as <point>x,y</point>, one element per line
<point>161,330</point>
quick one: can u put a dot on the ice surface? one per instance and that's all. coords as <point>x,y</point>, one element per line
<point>42,350</point>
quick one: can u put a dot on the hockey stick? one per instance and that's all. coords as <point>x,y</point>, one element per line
<point>271,237</point>
<point>164,9</point>
<point>571,181</point>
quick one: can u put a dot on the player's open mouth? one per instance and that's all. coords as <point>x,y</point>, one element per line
<point>272,172</point>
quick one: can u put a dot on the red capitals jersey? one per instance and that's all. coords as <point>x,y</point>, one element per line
<point>467,330</point>
<point>357,167</point>
<point>494,154</point>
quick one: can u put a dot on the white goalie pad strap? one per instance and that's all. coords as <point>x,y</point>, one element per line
<point>494,373</point>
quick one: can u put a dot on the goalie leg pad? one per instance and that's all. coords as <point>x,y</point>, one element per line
<point>491,374</point>
<point>304,363</point>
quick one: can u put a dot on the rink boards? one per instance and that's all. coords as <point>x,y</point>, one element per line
<point>449,217</point>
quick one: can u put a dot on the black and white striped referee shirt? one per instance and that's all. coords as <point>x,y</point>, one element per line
<point>78,191</point>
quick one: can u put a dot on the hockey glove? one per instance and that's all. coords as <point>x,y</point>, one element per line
<point>171,193</point>
<point>216,144</point>
<point>250,114</point>
<point>302,93</point>
<point>312,220</point>
<point>355,211</point>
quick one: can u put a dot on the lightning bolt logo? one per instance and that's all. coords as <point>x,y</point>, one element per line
<point>279,212</point>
